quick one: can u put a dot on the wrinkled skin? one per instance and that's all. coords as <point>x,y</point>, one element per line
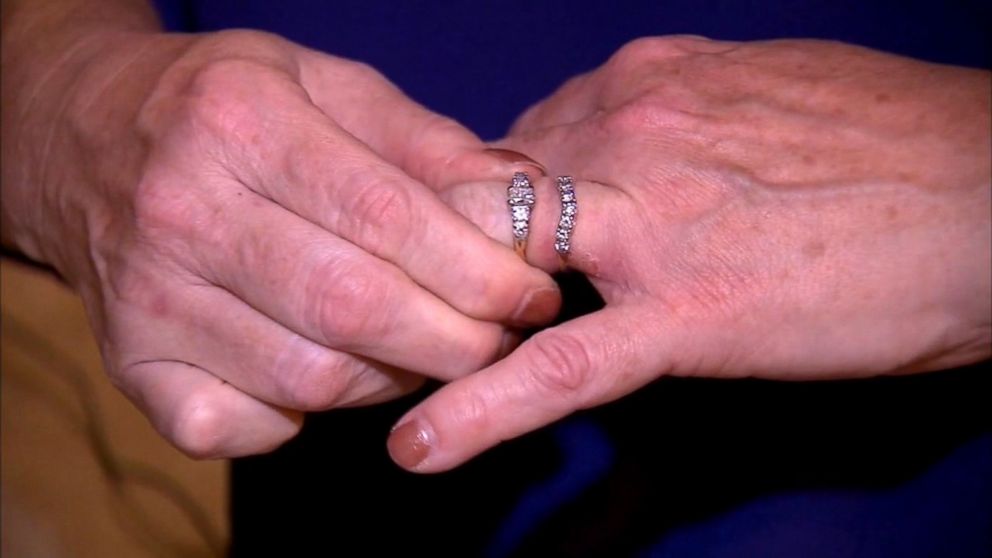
<point>789,210</point>
<point>250,227</point>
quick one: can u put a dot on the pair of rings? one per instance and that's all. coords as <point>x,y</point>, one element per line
<point>521,199</point>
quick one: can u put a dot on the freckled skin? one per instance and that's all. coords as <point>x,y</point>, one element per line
<point>765,209</point>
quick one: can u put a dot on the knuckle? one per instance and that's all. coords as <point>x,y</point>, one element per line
<point>648,64</point>
<point>222,98</point>
<point>224,73</point>
<point>242,42</point>
<point>431,169</point>
<point>373,385</point>
<point>376,214</point>
<point>218,83</point>
<point>633,118</point>
<point>490,295</point>
<point>362,72</point>
<point>650,113</point>
<point>481,350</point>
<point>316,383</point>
<point>685,44</point>
<point>350,310</point>
<point>200,427</point>
<point>560,364</point>
<point>627,119</point>
<point>641,51</point>
<point>494,299</point>
<point>647,50</point>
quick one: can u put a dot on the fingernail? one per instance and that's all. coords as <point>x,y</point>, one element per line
<point>538,307</point>
<point>516,158</point>
<point>409,444</point>
<point>510,341</point>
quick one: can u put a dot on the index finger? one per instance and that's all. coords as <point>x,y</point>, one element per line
<point>584,362</point>
<point>290,152</point>
<point>431,148</point>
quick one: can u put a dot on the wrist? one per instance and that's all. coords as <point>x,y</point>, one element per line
<point>68,136</point>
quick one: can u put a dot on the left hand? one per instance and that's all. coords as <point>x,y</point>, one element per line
<point>786,209</point>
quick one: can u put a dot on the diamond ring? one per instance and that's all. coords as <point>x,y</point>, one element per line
<point>566,223</point>
<point>520,197</point>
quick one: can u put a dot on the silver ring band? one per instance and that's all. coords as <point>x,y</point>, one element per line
<point>566,223</point>
<point>520,197</point>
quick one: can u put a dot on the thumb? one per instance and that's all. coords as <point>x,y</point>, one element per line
<point>584,362</point>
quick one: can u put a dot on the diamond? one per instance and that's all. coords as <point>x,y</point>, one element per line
<point>569,208</point>
<point>520,196</point>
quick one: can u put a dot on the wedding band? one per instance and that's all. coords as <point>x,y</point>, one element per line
<point>520,197</point>
<point>566,223</point>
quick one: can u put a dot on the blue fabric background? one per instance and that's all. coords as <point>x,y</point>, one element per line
<point>834,475</point>
<point>483,62</point>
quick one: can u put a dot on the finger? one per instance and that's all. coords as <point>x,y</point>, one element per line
<point>429,147</point>
<point>305,163</point>
<point>202,415</point>
<point>338,296</point>
<point>585,362</point>
<point>576,100</point>
<point>606,148</point>
<point>591,149</point>
<point>601,223</point>
<point>268,361</point>
<point>609,148</point>
<point>629,73</point>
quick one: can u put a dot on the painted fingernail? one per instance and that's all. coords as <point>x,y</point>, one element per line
<point>410,444</point>
<point>538,307</point>
<point>516,158</point>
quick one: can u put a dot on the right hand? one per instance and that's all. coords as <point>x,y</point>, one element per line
<point>788,210</point>
<point>248,224</point>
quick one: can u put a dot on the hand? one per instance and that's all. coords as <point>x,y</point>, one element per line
<point>788,210</point>
<point>248,225</point>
